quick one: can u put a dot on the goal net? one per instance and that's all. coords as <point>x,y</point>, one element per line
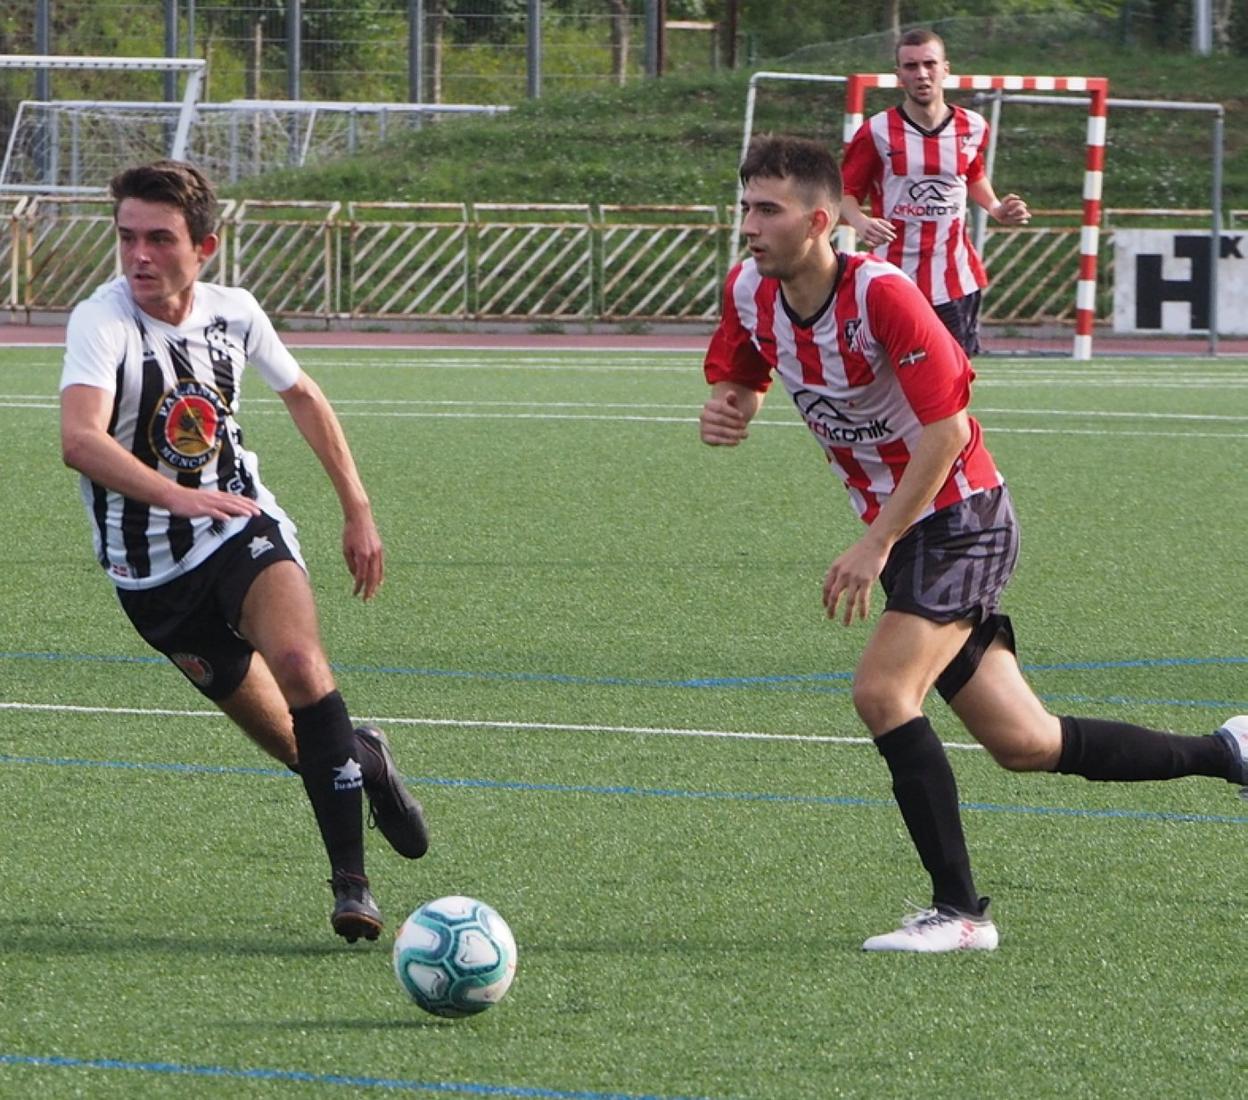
<point>71,146</point>
<point>88,139</point>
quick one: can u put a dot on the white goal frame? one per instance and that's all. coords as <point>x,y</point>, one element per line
<point>1095,87</point>
<point>193,67</point>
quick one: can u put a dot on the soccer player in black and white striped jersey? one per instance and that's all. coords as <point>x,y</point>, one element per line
<point>206,564</point>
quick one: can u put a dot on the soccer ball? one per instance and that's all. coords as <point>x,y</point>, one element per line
<point>455,956</point>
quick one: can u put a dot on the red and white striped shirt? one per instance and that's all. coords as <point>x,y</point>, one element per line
<point>866,373</point>
<point>917,179</point>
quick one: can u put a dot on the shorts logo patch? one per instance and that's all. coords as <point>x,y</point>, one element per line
<point>188,425</point>
<point>261,544</point>
<point>194,668</point>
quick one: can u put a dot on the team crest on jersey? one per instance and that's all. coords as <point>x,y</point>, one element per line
<point>849,330</point>
<point>188,425</point>
<point>194,668</point>
<point>221,349</point>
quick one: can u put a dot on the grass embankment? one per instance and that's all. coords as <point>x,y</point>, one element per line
<point>677,141</point>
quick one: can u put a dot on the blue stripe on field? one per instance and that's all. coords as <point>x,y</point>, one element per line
<point>442,1088</point>
<point>824,683</point>
<point>627,790</point>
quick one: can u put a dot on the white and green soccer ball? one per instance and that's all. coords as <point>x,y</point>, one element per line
<point>455,956</point>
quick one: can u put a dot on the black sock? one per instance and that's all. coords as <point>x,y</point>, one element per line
<point>927,796</point>
<point>330,771</point>
<point>1105,751</point>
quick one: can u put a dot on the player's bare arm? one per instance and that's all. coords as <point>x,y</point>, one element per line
<point>872,231</point>
<point>852,576</point>
<point>725,417</point>
<point>318,424</point>
<point>87,447</point>
<point>1010,210</point>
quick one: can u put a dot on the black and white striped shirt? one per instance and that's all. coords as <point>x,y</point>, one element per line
<point>176,392</point>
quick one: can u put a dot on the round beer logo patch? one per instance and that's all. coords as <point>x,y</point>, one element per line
<point>188,425</point>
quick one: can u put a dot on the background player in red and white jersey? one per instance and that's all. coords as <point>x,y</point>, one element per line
<point>917,164</point>
<point>885,390</point>
<point>206,564</point>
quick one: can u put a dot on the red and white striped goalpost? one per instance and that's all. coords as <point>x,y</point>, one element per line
<point>1097,89</point>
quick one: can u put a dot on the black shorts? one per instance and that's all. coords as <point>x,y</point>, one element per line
<point>194,620</point>
<point>953,566</point>
<point>961,317</point>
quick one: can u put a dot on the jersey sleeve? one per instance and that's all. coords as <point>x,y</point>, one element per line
<point>861,167</point>
<point>976,169</point>
<point>732,355</point>
<point>931,367</point>
<point>267,353</point>
<point>95,345</point>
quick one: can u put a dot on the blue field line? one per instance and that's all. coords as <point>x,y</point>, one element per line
<point>625,790</point>
<point>394,1084</point>
<point>823,683</point>
<point>1139,662</point>
<point>1230,706</point>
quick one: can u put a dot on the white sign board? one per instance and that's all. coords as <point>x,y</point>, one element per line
<point>1161,281</point>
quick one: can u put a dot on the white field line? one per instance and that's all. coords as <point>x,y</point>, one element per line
<point>483,724</point>
<point>365,405</point>
<point>349,409</point>
<point>431,403</point>
<point>631,366</point>
<point>1016,372</point>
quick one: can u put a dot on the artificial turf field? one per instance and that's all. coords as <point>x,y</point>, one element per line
<point>600,656</point>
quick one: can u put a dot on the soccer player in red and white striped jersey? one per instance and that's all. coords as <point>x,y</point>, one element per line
<point>917,164</point>
<point>885,390</point>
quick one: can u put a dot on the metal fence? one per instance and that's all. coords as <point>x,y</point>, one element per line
<point>404,261</point>
<point>331,262</point>
<point>455,51</point>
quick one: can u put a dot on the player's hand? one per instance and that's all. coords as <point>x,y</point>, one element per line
<point>722,422</point>
<point>361,547</point>
<point>193,503</point>
<point>850,579</point>
<point>1011,210</point>
<point>878,231</point>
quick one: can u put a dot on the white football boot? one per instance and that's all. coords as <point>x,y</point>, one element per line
<point>938,930</point>
<point>1234,731</point>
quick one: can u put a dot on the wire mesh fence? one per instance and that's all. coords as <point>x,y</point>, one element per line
<point>467,51</point>
<point>77,145</point>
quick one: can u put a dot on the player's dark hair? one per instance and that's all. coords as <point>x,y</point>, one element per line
<point>175,184</point>
<point>809,164</point>
<point>918,36</point>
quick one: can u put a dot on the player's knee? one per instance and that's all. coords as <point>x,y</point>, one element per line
<point>301,672</point>
<point>879,705</point>
<point>1024,755</point>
